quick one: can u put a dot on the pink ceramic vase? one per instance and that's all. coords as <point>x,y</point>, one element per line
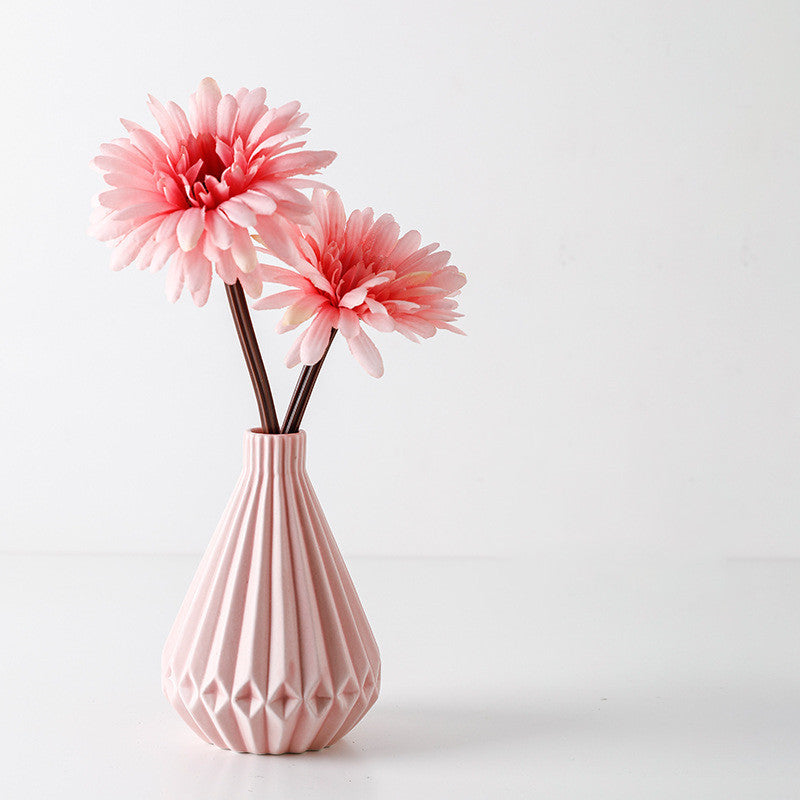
<point>271,651</point>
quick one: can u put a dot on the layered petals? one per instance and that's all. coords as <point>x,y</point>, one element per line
<point>189,198</point>
<point>352,270</point>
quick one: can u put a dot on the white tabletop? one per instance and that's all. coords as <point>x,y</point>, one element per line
<point>552,678</point>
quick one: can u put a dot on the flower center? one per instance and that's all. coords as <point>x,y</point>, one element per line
<point>204,149</point>
<point>204,172</point>
<point>344,269</point>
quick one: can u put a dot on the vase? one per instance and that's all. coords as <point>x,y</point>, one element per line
<point>271,651</point>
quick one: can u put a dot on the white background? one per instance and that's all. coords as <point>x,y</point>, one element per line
<point>619,181</point>
<point>574,531</point>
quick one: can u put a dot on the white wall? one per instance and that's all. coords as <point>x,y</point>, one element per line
<point>618,180</point>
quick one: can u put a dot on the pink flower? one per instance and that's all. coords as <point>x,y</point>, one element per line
<point>189,198</point>
<point>349,271</point>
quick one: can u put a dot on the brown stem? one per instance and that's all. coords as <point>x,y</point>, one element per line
<point>252,356</point>
<point>302,392</point>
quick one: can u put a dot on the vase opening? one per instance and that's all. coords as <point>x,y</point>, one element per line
<point>285,436</point>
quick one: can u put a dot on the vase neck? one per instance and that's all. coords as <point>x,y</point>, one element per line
<point>275,453</point>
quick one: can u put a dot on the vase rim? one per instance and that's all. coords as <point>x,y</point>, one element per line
<point>259,433</point>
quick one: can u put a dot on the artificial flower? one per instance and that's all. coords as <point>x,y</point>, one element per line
<point>190,198</point>
<point>349,271</point>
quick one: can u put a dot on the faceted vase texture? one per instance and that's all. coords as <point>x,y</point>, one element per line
<point>271,651</point>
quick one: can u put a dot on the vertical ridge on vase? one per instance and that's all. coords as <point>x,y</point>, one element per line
<point>332,660</point>
<point>227,636</point>
<point>314,649</point>
<point>218,557</point>
<point>215,575</point>
<point>252,656</point>
<point>339,661</point>
<point>346,611</point>
<point>210,625</point>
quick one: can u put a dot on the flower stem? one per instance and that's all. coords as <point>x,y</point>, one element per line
<point>252,356</point>
<point>302,392</point>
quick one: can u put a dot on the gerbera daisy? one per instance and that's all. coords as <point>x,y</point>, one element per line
<point>346,271</point>
<point>188,199</point>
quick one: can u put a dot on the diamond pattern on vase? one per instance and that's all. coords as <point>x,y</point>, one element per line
<point>214,696</point>
<point>284,702</point>
<point>271,651</point>
<point>319,701</point>
<point>248,700</point>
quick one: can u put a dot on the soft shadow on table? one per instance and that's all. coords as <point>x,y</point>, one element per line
<point>425,727</point>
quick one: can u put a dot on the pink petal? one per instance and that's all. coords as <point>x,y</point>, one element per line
<point>384,234</point>
<point>145,255</point>
<point>272,274</point>
<point>353,298</point>
<point>161,254</point>
<point>405,305</point>
<point>337,218</point>
<point>314,275</point>
<point>450,279</point>
<point>169,130</point>
<point>317,336</point>
<point>210,250</point>
<point>402,329</point>
<point>108,229</point>
<point>239,212</point>
<point>226,268</point>
<point>126,196</point>
<point>195,267</point>
<point>114,164</point>
<point>200,296</point>
<point>227,111</point>
<point>278,236</point>
<point>381,322</point>
<point>143,211</point>
<point>129,125</point>
<point>419,326</point>
<point>149,144</point>
<point>357,223</point>
<point>219,229</point>
<point>319,224</point>
<point>406,245</point>
<point>125,252</point>
<point>274,121</point>
<point>251,109</point>
<point>307,183</point>
<point>125,174</point>
<point>203,106</point>
<point>293,356</point>
<point>123,150</point>
<point>190,227</point>
<point>300,311</point>
<point>374,306</point>
<point>258,129</point>
<point>279,191</point>
<point>243,250</point>
<point>365,352</point>
<point>279,300</point>
<point>258,202</point>
<point>198,276</point>
<point>179,120</point>
<point>168,226</point>
<point>251,283</point>
<point>452,328</point>
<point>348,323</point>
<point>174,284</point>
<point>435,261</point>
<point>303,163</point>
<point>128,249</point>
